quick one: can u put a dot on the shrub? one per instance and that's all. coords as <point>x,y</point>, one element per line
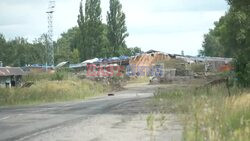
<point>59,76</point>
<point>242,69</point>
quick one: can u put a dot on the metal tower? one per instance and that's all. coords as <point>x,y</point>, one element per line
<point>50,46</point>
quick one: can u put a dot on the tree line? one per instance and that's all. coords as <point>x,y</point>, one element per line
<point>231,38</point>
<point>91,38</point>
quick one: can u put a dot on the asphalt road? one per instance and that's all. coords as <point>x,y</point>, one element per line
<point>29,122</point>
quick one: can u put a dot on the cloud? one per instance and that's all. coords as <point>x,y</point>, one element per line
<point>189,5</point>
<point>188,42</point>
<point>165,25</point>
<point>173,29</point>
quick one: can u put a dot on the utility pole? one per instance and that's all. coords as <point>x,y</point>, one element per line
<point>50,46</point>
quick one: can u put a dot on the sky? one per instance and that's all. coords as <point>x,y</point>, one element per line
<point>170,26</point>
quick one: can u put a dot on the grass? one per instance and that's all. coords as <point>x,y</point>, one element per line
<point>150,121</point>
<point>139,80</point>
<point>61,75</point>
<point>209,114</point>
<point>45,91</point>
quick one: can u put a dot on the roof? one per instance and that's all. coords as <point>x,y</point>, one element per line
<point>6,71</point>
<point>62,64</point>
<point>151,51</point>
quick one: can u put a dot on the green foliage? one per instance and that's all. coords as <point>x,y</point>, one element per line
<point>117,30</point>
<point>19,52</point>
<point>198,68</point>
<point>242,69</point>
<point>92,34</point>
<point>66,47</point>
<point>75,56</point>
<point>59,76</point>
<point>90,39</point>
<point>150,122</point>
<point>231,38</point>
<point>37,77</point>
<point>133,51</point>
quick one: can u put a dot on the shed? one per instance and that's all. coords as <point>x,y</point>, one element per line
<point>10,76</point>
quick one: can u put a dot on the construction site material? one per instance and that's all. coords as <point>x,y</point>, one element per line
<point>149,59</point>
<point>145,64</point>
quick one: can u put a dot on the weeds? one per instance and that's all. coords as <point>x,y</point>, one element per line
<point>209,113</point>
<point>150,122</point>
<point>45,91</point>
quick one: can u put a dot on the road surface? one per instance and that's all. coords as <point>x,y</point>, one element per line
<point>117,118</point>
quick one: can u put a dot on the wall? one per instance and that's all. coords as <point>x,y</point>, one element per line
<point>3,80</point>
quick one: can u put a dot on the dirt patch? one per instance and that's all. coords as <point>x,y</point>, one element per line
<point>114,128</point>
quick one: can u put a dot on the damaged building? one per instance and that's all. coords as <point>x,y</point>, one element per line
<point>146,64</point>
<point>10,77</point>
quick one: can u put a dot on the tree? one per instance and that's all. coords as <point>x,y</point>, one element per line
<point>65,45</point>
<point>75,56</point>
<point>2,47</point>
<point>42,43</point>
<point>81,34</point>
<point>241,33</point>
<point>231,38</point>
<point>91,29</point>
<point>133,51</point>
<point>117,30</point>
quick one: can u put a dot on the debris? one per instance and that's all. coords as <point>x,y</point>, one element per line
<point>28,84</point>
<point>111,94</point>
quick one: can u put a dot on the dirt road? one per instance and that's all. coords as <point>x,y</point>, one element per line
<point>122,117</point>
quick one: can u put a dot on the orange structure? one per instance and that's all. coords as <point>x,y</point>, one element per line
<point>144,62</point>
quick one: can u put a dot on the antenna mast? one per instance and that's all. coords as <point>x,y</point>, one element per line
<point>50,46</point>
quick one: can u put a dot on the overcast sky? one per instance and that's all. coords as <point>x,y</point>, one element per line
<point>165,25</point>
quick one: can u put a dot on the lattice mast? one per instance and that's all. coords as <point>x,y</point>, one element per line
<point>50,46</point>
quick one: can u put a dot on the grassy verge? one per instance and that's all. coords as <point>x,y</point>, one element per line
<point>209,114</point>
<point>139,80</point>
<point>45,91</point>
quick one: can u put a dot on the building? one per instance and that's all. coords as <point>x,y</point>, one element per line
<point>146,64</point>
<point>10,76</point>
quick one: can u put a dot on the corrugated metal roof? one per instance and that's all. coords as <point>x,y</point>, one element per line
<point>6,71</point>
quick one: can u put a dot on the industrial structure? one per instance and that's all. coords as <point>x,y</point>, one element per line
<point>50,46</point>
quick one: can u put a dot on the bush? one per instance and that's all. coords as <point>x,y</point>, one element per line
<point>37,77</point>
<point>242,69</point>
<point>198,68</point>
<point>59,76</point>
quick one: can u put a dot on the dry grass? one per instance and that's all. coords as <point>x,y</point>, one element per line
<point>139,80</point>
<point>45,91</point>
<point>209,114</point>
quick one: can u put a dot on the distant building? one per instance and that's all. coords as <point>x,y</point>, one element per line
<point>10,77</point>
<point>146,64</point>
